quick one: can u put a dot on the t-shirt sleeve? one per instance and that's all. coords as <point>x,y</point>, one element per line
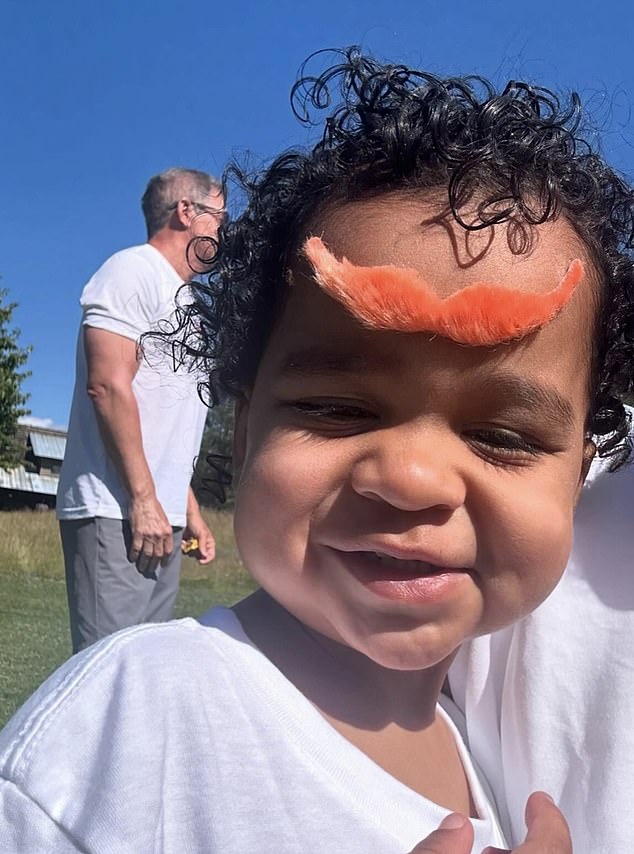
<point>122,297</point>
<point>26,827</point>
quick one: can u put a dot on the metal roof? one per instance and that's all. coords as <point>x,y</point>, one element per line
<point>47,444</point>
<point>20,480</point>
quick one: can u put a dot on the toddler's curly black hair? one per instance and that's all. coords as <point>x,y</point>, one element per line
<point>519,153</point>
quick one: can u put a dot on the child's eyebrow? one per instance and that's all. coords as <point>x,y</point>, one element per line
<point>515,391</point>
<point>519,392</point>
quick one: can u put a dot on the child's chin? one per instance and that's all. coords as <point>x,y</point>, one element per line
<point>408,654</point>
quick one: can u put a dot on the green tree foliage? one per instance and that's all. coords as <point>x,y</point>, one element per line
<point>12,398</point>
<point>212,476</point>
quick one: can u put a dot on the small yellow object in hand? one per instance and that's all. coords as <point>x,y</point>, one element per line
<point>190,546</point>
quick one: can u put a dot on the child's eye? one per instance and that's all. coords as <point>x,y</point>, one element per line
<point>334,413</point>
<point>505,446</point>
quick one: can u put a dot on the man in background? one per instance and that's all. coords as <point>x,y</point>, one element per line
<point>124,501</point>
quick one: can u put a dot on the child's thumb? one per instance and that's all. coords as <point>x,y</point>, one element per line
<point>454,836</point>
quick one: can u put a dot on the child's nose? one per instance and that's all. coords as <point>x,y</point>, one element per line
<point>410,472</point>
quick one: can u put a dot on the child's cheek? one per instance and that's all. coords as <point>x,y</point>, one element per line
<point>539,544</point>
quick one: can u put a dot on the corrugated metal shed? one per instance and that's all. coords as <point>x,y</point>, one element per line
<point>49,445</point>
<point>19,480</point>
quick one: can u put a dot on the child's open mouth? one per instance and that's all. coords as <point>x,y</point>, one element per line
<point>403,578</point>
<point>399,568</point>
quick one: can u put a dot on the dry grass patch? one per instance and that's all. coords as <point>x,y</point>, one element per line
<point>29,544</point>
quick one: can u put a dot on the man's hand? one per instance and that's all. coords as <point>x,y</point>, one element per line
<point>547,833</point>
<point>152,539</point>
<point>198,529</point>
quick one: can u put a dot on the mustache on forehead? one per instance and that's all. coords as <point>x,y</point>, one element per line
<point>398,299</point>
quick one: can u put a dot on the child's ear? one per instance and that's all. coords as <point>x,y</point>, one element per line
<point>589,451</point>
<point>241,417</point>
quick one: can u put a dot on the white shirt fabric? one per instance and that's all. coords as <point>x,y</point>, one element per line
<point>131,293</point>
<point>182,738</point>
<point>549,702</point>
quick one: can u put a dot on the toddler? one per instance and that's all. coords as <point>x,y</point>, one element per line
<point>424,322</point>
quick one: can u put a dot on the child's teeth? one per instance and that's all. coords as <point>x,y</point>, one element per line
<point>397,562</point>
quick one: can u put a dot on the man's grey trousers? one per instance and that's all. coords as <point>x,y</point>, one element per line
<point>106,591</point>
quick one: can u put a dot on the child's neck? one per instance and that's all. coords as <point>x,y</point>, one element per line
<point>340,681</point>
<point>388,714</point>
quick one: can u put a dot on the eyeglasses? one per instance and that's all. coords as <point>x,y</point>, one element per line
<point>208,209</point>
<point>220,212</point>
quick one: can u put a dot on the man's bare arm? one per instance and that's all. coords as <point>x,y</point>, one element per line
<point>112,365</point>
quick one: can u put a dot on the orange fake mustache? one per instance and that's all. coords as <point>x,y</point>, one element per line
<point>397,298</point>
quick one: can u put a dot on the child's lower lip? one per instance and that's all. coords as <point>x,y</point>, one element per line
<point>407,582</point>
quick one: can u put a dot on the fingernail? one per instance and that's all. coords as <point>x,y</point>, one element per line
<point>453,821</point>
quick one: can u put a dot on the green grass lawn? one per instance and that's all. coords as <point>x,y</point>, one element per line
<point>34,635</point>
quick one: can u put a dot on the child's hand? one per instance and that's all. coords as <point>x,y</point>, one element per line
<point>547,830</point>
<point>547,833</point>
<point>454,836</point>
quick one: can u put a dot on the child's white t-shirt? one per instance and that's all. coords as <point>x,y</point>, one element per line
<point>182,738</point>
<point>549,702</point>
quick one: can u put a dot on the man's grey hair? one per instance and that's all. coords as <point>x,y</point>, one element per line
<point>166,189</point>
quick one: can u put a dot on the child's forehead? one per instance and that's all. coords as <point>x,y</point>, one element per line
<point>315,334</point>
<point>419,233</point>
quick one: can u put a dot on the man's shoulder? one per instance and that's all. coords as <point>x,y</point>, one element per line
<point>134,282</point>
<point>141,258</point>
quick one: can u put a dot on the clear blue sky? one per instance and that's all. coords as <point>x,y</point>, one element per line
<point>97,96</point>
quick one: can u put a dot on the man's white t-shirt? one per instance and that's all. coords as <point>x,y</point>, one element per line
<point>183,738</point>
<point>549,702</point>
<point>133,292</point>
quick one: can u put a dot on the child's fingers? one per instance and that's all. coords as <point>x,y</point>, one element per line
<point>454,836</point>
<point>547,829</point>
